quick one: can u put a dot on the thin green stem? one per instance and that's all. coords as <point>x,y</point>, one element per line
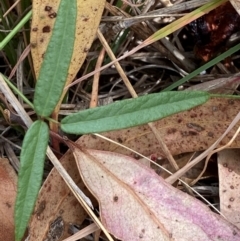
<point>204,67</point>
<point>15,30</point>
<point>16,90</point>
<point>225,96</point>
<point>52,120</point>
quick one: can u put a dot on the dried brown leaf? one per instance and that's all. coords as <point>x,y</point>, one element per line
<point>56,203</point>
<point>188,131</point>
<point>8,190</point>
<point>229,184</point>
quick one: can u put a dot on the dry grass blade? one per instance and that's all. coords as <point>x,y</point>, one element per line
<point>215,151</point>
<point>11,8</point>
<point>22,57</point>
<point>117,65</point>
<point>95,86</point>
<point>83,233</point>
<point>180,7</point>
<point>14,102</point>
<point>183,170</point>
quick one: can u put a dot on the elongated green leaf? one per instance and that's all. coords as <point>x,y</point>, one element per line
<point>30,174</point>
<point>57,59</point>
<point>128,113</point>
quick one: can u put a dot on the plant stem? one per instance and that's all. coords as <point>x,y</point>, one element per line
<point>15,30</point>
<point>16,90</point>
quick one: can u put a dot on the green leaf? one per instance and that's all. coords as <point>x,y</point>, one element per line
<point>132,112</point>
<point>30,174</point>
<point>57,59</point>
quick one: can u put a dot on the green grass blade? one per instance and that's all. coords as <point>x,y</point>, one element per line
<point>181,22</point>
<point>57,59</point>
<point>204,67</point>
<point>15,30</point>
<point>30,175</point>
<point>17,91</point>
<point>133,112</point>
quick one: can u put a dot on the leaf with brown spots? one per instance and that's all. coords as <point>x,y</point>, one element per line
<point>229,184</point>
<point>44,14</point>
<point>42,25</point>
<point>8,190</point>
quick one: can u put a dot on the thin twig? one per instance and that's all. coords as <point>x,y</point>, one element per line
<point>10,9</point>
<point>134,95</point>
<point>94,96</point>
<point>215,151</point>
<point>187,167</point>
<point>117,65</point>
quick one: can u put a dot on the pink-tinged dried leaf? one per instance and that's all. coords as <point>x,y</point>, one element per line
<point>137,204</point>
<point>56,207</point>
<point>188,131</point>
<point>8,189</point>
<point>229,184</point>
